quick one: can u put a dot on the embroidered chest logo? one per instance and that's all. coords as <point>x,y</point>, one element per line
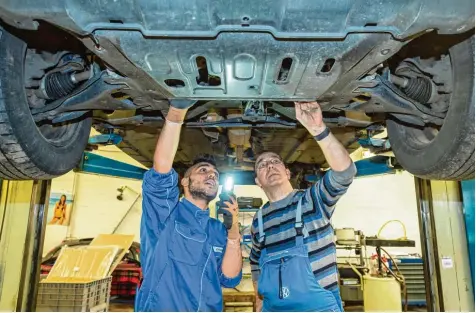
<point>285,292</point>
<point>218,249</point>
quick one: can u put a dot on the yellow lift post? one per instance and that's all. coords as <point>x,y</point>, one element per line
<point>444,246</point>
<point>22,228</point>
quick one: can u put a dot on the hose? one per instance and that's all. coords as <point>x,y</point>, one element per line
<point>399,277</point>
<point>398,221</point>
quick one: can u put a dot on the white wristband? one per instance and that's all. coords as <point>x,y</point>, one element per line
<point>169,121</point>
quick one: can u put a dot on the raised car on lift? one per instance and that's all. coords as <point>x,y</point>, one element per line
<point>401,67</point>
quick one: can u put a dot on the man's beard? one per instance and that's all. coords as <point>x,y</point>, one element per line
<point>198,192</point>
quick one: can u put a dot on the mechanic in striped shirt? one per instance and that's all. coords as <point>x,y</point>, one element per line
<point>293,255</point>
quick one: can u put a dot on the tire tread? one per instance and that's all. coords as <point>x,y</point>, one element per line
<point>18,159</point>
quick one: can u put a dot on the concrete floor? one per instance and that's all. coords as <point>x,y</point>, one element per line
<point>121,307</point>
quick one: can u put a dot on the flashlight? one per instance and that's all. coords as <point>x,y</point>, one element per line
<point>229,184</point>
<point>225,195</point>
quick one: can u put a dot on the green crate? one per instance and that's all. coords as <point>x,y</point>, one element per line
<point>74,297</point>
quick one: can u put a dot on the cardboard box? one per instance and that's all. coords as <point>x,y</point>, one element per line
<point>89,263</point>
<point>124,242</point>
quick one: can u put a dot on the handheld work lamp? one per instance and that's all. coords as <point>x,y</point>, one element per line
<point>225,195</point>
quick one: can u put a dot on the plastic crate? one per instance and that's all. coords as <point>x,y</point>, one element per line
<point>74,297</point>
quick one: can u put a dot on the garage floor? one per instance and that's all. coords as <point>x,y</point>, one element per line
<point>121,307</point>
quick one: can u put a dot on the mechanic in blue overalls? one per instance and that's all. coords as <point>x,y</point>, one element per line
<point>293,257</point>
<point>186,256</point>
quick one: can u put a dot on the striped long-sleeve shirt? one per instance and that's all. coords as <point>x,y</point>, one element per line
<point>317,207</point>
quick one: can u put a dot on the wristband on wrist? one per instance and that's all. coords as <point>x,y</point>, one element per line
<point>172,122</point>
<point>323,135</point>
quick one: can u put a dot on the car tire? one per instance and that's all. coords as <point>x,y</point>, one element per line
<point>28,151</point>
<point>449,155</point>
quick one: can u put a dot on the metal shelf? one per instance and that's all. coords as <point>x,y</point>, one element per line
<point>412,270</point>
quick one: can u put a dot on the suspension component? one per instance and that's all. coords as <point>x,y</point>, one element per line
<point>254,108</point>
<point>57,84</point>
<point>421,89</point>
<point>418,89</point>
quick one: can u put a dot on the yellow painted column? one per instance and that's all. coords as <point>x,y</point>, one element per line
<point>451,246</point>
<point>14,212</point>
<point>23,208</point>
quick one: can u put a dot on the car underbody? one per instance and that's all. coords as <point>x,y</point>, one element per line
<point>245,63</point>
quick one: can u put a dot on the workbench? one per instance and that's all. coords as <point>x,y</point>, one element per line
<point>380,243</point>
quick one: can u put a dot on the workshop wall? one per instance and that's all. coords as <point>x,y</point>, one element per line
<point>98,211</point>
<point>95,207</point>
<point>372,201</point>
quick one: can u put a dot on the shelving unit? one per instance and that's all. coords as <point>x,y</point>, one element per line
<point>412,270</point>
<point>349,282</point>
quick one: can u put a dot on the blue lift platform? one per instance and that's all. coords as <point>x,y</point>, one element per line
<point>97,164</point>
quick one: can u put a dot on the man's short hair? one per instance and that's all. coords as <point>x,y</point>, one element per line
<point>204,158</point>
<point>201,158</point>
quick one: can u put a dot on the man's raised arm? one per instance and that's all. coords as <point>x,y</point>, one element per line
<point>310,116</point>
<point>160,184</point>
<point>169,136</point>
<point>337,180</point>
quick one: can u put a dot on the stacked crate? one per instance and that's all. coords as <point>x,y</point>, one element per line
<point>80,280</point>
<point>74,297</point>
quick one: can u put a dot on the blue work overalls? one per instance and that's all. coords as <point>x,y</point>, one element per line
<point>287,282</point>
<point>182,251</point>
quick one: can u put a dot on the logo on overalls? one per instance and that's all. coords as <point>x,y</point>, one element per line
<point>218,249</point>
<point>285,292</point>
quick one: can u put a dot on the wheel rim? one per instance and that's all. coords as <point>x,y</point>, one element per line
<point>424,136</point>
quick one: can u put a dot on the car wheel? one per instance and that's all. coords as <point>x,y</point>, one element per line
<point>446,152</point>
<point>29,150</point>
